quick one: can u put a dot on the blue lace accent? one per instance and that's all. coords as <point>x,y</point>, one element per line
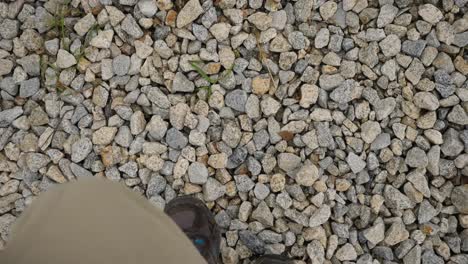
<point>199,241</point>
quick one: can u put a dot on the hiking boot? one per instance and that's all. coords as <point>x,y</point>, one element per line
<point>197,222</point>
<point>273,259</point>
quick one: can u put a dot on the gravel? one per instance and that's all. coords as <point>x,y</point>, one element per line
<point>9,28</point>
<point>236,100</point>
<point>320,216</point>
<point>459,196</point>
<point>176,139</point>
<point>197,173</point>
<point>121,65</point>
<point>84,24</point>
<point>65,59</point>
<point>182,84</point>
<point>307,175</point>
<point>189,13</point>
<point>430,13</point>
<point>355,162</point>
<point>9,115</point>
<point>103,39</point>
<point>327,131</point>
<point>81,149</point>
<point>131,27</point>
<point>416,157</point>
<point>288,161</point>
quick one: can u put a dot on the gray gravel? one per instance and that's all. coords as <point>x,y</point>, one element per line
<point>327,131</point>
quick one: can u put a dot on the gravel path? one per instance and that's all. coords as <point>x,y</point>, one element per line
<point>330,131</point>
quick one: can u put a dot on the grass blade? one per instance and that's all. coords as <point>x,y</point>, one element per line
<point>201,72</point>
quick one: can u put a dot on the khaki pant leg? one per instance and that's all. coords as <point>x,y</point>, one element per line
<point>95,221</point>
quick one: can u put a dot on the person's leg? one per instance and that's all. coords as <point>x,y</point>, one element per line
<point>95,221</point>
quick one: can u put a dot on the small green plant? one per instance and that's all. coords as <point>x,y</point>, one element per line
<point>44,64</point>
<point>62,87</point>
<point>58,85</point>
<point>93,31</point>
<point>62,10</point>
<point>262,56</point>
<point>204,75</point>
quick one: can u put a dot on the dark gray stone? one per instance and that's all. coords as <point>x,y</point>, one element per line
<point>156,185</point>
<point>452,145</point>
<point>413,47</point>
<point>9,115</point>
<point>430,257</point>
<point>460,197</point>
<point>237,157</point>
<point>252,242</point>
<point>176,139</point>
<point>29,87</point>
<point>236,100</point>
